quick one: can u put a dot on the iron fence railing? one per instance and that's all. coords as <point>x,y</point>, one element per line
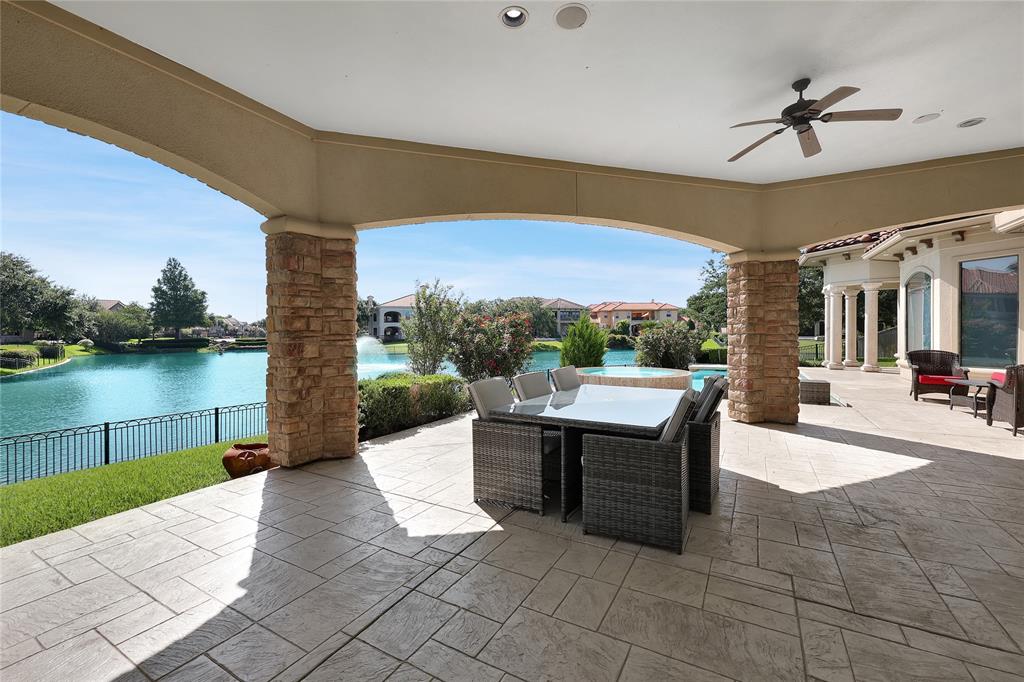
<point>35,455</point>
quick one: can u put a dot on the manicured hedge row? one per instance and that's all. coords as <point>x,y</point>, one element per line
<point>173,343</point>
<point>401,401</point>
<point>18,359</point>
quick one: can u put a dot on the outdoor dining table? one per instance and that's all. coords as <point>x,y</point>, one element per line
<point>592,408</point>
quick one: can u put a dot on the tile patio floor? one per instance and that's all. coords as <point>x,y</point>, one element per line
<point>884,541</point>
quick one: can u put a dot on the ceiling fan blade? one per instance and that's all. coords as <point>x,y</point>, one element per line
<point>757,123</point>
<point>863,115</point>
<point>833,98</point>
<point>758,143</point>
<point>809,142</point>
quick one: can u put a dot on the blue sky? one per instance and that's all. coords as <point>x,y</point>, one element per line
<point>104,221</point>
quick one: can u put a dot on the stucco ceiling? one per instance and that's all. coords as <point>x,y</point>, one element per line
<point>652,86</point>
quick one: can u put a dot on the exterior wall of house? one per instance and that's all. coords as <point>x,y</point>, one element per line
<point>942,262</point>
<point>386,323</point>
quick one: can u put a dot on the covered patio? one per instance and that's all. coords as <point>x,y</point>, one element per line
<point>879,541</point>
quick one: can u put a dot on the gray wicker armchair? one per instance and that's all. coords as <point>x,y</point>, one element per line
<point>643,490</point>
<point>508,459</point>
<point>1005,399</point>
<point>930,370</point>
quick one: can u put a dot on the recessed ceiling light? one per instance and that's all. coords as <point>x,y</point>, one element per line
<point>514,16</point>
<point>926,118</point>
<point>572,16</point>
<point>971,122</point>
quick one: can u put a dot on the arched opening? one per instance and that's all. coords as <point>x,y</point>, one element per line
<point>919,311</point>
<point>392,317</point>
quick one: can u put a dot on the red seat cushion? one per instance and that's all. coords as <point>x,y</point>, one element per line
<point>935,378</point>
<point>999,376</point>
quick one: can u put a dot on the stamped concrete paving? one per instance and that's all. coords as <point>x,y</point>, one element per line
<point>884,541</point>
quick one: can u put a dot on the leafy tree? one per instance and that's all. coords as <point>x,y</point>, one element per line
<point>542,320</point>
<point>429,330</point>
<point>177,302</point>
<point>622,327</point>
<point>364,314</point>
<point>584,344</point>
<point>485,346</point>
<point>670,344</point>
<point>21,290</point>
<point>707,307</point>
<point>811,300</point>
<point>131,322</point>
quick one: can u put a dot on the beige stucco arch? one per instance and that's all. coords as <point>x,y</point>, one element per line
<point>319,187</point>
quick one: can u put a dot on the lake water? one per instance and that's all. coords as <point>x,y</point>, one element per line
<point>92,390</point>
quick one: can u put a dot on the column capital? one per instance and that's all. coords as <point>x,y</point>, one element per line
<point>851,291</point>
<point>872,287</point>
<point>763,256</point>
<point>284,223</point>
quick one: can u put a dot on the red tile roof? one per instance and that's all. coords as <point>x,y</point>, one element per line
<point>406,301</point>
<point>608,306</point>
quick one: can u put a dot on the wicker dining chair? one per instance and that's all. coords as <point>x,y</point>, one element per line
<point>565,378</point>
<point>508,459</point>
<point>1005,398</point>
<point>531,385</point>
<point>638,489</point>
<point>930,370</point>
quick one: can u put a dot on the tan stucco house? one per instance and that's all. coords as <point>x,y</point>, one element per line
<point>959,290</point>
<point>566,312</point>
<point>386,322</point>
<point>608,314</point>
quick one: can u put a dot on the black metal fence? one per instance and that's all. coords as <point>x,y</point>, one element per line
<point>35,455</point>
<point>812,352</point>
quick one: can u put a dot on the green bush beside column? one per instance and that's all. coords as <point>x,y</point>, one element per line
<point>401,401</point>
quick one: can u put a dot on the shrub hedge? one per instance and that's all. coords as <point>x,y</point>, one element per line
<point>161,344</point>
<point>395,402</point>
<point>620,341</point>
<point>18,359</point>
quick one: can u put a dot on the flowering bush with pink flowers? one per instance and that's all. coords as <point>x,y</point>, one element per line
<point>485,346</point>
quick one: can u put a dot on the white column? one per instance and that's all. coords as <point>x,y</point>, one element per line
<point>851,327</point>
<point>825,329</point>
<point>835,328</point>
<point>901,327</point>
<point>870,327</point>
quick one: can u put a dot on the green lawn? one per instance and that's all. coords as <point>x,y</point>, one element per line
<point>70,351</point>
<point>46,505</point>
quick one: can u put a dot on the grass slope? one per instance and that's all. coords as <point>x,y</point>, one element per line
<point>46,505</point>
<point>70,351</point>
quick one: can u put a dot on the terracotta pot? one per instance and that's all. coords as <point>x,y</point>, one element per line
<point>242,459</point>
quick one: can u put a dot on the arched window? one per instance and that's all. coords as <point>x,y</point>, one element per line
<point>919,311</point>
<point>392,316</point>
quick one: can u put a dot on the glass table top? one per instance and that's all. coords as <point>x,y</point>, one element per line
<point>616,406</point>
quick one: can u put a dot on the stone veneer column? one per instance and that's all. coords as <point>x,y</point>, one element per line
<point>763,341</point>
<point>312,395</point>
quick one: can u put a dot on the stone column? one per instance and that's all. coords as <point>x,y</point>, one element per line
<point>851,326</point>
<point>825,329</point>
<point>763,345</point>
<point>834,315</point>
<point>312,395</point>
<point>870,327</point>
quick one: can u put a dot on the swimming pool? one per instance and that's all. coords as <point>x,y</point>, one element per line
<point>697,381</point>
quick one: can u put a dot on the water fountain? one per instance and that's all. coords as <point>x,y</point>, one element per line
<point>372,359</point>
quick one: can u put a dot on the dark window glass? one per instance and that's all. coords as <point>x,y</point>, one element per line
<point>989,300</point>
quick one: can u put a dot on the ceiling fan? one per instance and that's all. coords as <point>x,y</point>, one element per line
<point>803,112</point>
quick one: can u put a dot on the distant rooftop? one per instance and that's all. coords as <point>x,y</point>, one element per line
<point>109,303</point>
<point>406,301</point>
<point>562,304</point>
<point>608,306</point>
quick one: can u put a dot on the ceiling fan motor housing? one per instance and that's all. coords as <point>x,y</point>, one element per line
<point>797,113</point>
